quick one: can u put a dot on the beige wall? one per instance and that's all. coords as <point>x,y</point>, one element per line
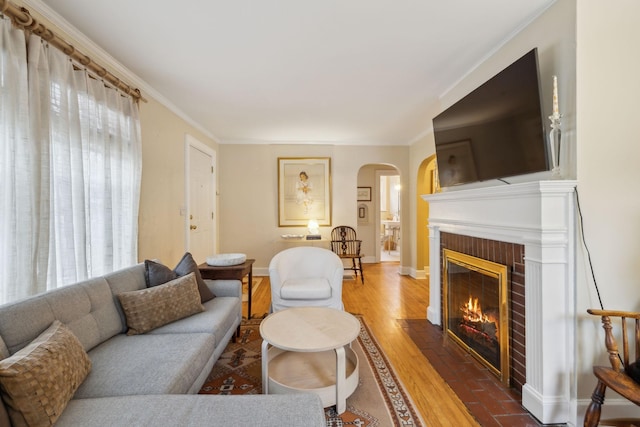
<point>161,225</point>
<point>249,193</point>
<point>608,90</point>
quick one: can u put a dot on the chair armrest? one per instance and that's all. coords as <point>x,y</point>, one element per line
<point>617,361</point>
<point>614,313</point>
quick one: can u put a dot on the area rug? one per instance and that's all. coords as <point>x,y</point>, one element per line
<point>245,287</point>
<point>380,399</point>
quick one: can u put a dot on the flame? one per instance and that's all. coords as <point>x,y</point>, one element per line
<point>473,312</point>
<point>474,318</point>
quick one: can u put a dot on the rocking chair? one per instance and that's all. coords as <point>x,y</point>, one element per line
<point>616,377</point>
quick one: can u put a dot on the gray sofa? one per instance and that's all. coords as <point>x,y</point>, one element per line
<point>153,378</point>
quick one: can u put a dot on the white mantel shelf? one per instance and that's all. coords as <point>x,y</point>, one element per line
<point>541,216</point>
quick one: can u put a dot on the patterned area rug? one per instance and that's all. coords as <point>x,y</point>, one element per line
<point>379,400</point>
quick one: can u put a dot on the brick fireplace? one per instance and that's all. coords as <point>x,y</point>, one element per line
<point>531,227</point>
<point>512,257</point>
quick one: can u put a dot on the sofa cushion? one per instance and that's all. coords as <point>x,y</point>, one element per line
<point>157,274</point>
<point>306,288</point>
<point>39,380</point>
<point>220,315</point>
<point>87,308</point>
<point>150,308</point>
<point>147,364</point>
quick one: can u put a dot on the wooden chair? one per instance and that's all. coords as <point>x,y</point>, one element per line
<point>615,377</point>
<point>346,245</point>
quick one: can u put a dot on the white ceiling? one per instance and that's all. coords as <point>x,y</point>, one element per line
<point>301,71</point>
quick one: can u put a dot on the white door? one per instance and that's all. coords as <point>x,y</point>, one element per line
<point>200,180</point>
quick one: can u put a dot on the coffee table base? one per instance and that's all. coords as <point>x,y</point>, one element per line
<point>314,372</point>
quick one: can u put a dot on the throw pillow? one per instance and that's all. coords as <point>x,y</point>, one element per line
<point>158,274</point>
<point>633,370</point>
<point>150,308</point>
<point>38,381</point>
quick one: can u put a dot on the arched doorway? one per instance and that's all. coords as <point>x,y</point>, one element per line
<point>389,195</point>
<point>370,217</point>
<point>427,184</point>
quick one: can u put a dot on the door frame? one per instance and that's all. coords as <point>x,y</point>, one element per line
<point>377,217</point>
<point>191,142</point>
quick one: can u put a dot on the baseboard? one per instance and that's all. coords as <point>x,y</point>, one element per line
<point>418,274</point>
<point>613,407</point>
<point>434,316</point>
<point>261,271</point>
<point>547,409</point>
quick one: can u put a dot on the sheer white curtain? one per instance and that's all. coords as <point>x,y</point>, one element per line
<point>85,177</point>
<point>18,170</point>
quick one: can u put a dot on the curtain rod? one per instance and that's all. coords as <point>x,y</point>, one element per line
<point>21,17</point>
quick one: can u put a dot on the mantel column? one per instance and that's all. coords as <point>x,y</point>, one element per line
<point>434,312</point>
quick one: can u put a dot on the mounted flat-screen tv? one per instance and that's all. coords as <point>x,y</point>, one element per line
<point>496,131</point>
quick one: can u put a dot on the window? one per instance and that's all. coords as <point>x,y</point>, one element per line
<point>71,164</point>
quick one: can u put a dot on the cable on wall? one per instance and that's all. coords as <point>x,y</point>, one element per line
<point>593,276</point>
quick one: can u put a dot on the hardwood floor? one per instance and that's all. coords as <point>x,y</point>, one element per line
<point>385,298</point>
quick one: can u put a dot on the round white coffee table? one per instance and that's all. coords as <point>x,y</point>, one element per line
<point>310,352</point>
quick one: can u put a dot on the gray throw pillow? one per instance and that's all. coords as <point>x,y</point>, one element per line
<point>156,274</point>
<point>159,274</point>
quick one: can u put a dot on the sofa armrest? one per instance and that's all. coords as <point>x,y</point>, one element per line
<point>225,288</point>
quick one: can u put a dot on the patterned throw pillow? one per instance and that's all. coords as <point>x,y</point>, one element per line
<point>158,274</point>
<point>38,381</point>
<point>151,308</point>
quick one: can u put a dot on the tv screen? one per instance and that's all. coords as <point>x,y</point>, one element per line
<point>496,131</point>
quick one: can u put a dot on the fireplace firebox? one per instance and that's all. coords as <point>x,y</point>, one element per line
<point>476,309</point>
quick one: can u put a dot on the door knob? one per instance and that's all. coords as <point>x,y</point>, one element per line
<point>193,227</point>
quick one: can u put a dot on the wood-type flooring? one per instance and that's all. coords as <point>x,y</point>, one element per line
<point>394,306</point>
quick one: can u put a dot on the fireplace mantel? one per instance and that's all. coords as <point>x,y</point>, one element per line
<point>541,216</point>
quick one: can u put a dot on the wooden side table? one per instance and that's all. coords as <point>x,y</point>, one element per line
<point>231,272</point>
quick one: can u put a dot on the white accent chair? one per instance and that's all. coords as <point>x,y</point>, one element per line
<point>306,276</point>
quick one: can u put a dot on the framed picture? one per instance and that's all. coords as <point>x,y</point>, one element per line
<point>456,164</point>
<point>363,213</point>
<point>304,191</point>
<point>364,194</point>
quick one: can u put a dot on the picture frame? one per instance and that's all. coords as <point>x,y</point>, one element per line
<point>364,194</point>
<point>363,213</point>
<point>458,158</point>
<point>304,191</point>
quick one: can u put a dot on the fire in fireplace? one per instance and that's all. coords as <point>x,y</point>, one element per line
<point>475,309</point>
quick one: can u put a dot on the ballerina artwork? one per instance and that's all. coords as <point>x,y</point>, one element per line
<point>303,191</point>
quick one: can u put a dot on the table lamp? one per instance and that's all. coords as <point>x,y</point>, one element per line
<point>314,230</point>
